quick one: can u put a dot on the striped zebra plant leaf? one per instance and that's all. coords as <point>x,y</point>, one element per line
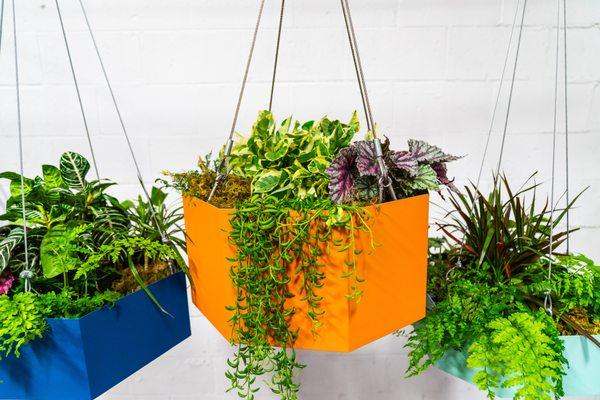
<point>108,224</point>
<point>73,168</point>
<point>8,244</point>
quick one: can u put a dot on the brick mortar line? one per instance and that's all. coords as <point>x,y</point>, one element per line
<point>140,30</point>
<point>313,82</point>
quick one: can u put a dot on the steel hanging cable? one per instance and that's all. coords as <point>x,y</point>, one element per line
<point>229,144</point>
<point>81,107</point>
<point>26,274</point>
<point>568,197</point>
<point>354,60</point>
<point>354,43</point>
<point>498,95</point>
<point>360,77</point>
<point>548,294</point>
<point>512,86</point>
<point>281,14</point>
<point>385,180</point>
<point>110,89</point>
<point>490,129</point>
<point>1,23</point>
<point>161,232</point>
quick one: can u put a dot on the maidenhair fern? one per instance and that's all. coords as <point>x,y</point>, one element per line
<point>461,318</point>
<point>522,351</point>
<point>22,319</point>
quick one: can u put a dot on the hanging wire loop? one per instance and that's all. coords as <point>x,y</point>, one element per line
<point>512,87</point>
<point>153,214</point>
<point>277,46</point>
<point>566,101</point>
<point>223,167</point>
<point>385,183</point>
<point>491,126</point>
<point>1,22</point>
<point>77,91</point>
<point>548,294</point>
<point>26,274</point>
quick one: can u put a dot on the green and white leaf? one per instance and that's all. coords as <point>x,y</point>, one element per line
<point>279,151</point>
<point>74,168</point>
<point>7,245</point>
<point>266,181</point>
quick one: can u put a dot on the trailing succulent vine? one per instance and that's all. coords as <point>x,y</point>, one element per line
<point>491,304</point>
<point>283,185</point>
<point>85,248</point>
<point>278,242</point>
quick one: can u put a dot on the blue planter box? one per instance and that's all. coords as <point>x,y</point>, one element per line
<point>82,358</point>
<point>582,377</point>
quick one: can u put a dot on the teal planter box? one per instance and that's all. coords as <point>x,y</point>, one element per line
<point>80,359</point>
<point>582,376</point>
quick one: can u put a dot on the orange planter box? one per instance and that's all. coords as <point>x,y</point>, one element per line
<point>395,275</point>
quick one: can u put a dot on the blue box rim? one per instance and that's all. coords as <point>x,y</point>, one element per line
<point>137,292</point>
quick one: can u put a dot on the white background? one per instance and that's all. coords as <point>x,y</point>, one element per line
<point>433,68</point>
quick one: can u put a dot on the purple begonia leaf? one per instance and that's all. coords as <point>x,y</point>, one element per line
<point>366,160</point>
<point>442,175</point>
<point>341,182</point>
<point>404,160</point>
<point>426,153</point>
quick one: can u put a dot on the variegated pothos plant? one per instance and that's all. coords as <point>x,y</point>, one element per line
<point>290,160</point>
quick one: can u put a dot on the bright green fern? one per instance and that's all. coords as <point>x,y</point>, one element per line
<point>522,351</point>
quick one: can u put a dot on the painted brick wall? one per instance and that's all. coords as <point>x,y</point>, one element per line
<point>433,68</point>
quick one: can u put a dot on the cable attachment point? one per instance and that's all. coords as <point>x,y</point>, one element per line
<point>457,265</point>
<point>165,241</point>
<point>228,148</point>
<point>384,181</point>
<point>223,165</point>
<point>548,303</point>
<point>26,275</point>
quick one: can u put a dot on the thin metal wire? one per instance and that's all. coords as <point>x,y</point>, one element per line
<point>384,181</point>
<point>123,127</point>
<point>498,95</point>
<point>548,294</point>
<point>1,23</point>
<point>281,14</point>
<point>246,71</point>
<point>567,194</point>
<point>512,85</point>
<point>110,89</point>
<point>223,163</point>
<point>458,263</point>
<point>81,107</point>
<point>354,60</point>
<point>26,273</point>
<point>359,65</point>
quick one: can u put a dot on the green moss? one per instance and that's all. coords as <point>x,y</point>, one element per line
<point>198,183</point>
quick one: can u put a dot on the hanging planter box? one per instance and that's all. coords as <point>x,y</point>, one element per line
<point>395,276</point>
<point>581,377</point>
<point>82,358</point>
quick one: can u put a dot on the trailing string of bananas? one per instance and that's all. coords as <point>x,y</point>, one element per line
<point>278,242</point>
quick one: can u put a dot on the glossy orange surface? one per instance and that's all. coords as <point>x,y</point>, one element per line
<point>395,274</point>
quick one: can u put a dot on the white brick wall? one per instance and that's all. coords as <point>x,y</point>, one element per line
<point>432,67</point>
